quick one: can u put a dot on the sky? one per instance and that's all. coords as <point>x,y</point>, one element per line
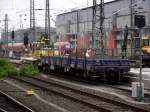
<point>18,11</point>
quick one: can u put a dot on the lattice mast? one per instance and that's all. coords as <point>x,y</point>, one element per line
<point>97,24</point>
<point>6,29</point>
<point>102,25</point>
<point>47,21</point>
<point>32,19</point>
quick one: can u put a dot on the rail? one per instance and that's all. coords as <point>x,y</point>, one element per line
<point>39,82</point>
<point>15,102</point>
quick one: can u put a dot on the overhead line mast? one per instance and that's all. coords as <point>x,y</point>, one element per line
<point>6,29</point>
<point>97,24</point>
<point>47,21</point>
<point>32,19</point>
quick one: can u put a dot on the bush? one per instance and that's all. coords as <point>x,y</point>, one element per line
<point>11,69</point>
<point>28,70</point>
<point>3,62</point>
<point>3,73</point>
<point>7,69</point>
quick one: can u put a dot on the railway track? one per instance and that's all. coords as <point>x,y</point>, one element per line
<point>121,86</point>
<point>99,103</point>
<point>124,86</point>
<point>9,104</point>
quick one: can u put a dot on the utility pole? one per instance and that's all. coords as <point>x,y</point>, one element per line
<point>131,12</point>
<point>78,21</point>
<point>131,23</point>
<point>97,24</point>
<point>47,22</point>
<point>32,19</point>
<point>76,36</point>
<point>101,26</point>
<point>94,24</point>
<point>6,29</point>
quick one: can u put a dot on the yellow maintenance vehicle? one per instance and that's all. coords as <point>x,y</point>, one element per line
<point>145,41</point>
<point>41,48</point>
<point>146,45</point>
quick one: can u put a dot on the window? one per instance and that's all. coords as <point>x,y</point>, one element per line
<point>145,42</point>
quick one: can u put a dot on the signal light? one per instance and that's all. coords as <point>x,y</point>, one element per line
<point>139,21</point>
<point>26,39</point>
<point>12,35</point>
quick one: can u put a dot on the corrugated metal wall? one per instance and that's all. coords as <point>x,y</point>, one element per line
<point>116,14</point>
<point>120,8</point>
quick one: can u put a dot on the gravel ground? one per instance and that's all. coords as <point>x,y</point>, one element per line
<point>67,105</point>
<point>30,101</point>
<point>7,105</point>
<point>101,90</point>
<point>57,100</point>
<point>83,97</point>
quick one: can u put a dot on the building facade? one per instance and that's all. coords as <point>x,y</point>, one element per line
<point>118,14</point>
<point>19,35</point>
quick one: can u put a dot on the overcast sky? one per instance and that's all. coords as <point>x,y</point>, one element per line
<point>18,10</point>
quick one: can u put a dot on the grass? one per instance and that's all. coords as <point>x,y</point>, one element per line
<point>28,70</point>
<point>7,69</point>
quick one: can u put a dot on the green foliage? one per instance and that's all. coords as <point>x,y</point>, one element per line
<point>3,73</point>
<point>3,62</point>
<point>11,69</point>
<point>28,70</point>
<point>7,69</point>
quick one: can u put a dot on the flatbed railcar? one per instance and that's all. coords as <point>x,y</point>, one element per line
<point>111,70</point>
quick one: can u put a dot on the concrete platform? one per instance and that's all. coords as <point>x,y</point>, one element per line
<point>133,76</point>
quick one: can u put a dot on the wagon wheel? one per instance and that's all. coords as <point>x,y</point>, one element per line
<point>113,77</point>
<point>66,69</point>
<point>109,76</point>
<point>86,75</point>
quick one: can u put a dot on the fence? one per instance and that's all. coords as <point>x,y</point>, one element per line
<point>107,53</point>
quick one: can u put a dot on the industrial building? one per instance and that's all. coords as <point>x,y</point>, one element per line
<point>118,14</point>
<point>19,35</point>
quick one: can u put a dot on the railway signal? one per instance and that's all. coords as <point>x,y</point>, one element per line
<point>13,35</point>
<point>140,23</point>
<point>26,40</point>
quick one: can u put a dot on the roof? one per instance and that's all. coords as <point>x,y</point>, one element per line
<point>113,1</point>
